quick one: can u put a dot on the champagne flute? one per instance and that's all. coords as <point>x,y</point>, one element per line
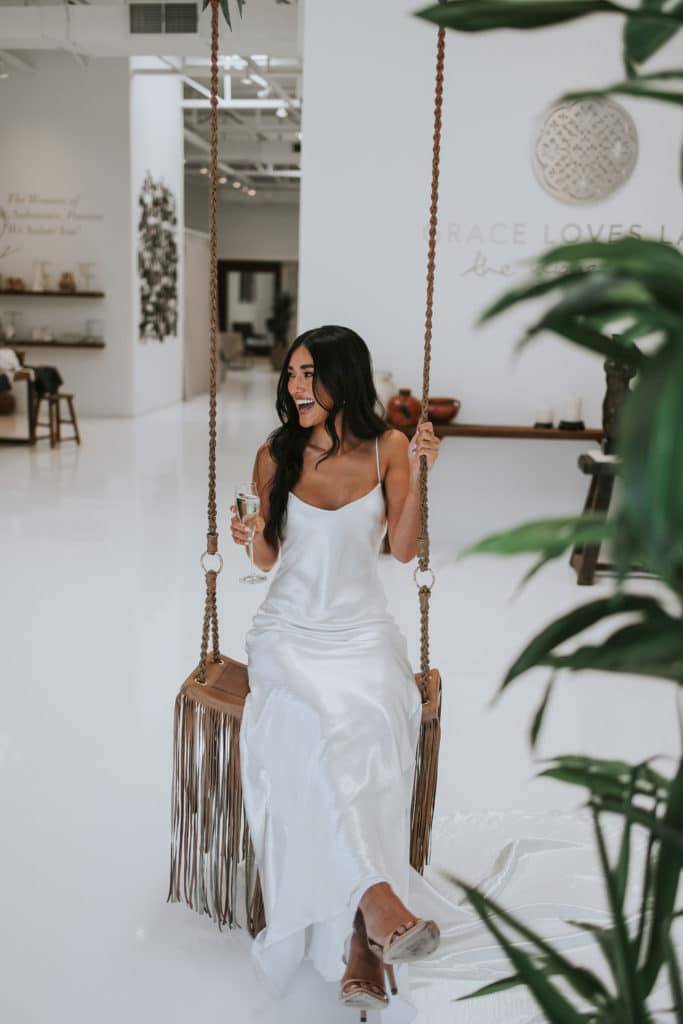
<point>248,505</point>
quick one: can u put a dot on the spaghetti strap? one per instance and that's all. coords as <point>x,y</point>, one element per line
<point>379,472</point>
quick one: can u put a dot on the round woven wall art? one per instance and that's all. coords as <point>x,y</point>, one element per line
<point>585,150</point>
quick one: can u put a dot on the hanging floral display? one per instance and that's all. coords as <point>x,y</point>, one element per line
<point>157,260</point>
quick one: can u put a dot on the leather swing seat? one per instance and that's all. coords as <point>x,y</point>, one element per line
<point>205,711</point>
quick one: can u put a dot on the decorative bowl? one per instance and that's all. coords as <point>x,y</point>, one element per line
<point>443,410</point>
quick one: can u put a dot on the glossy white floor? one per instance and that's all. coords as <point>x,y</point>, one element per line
<point>102,597</point>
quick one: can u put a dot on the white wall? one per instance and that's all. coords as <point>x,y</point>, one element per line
<point>156,146</point>
<point>246,231</point>
<point>367,112</point>
<point>197,321</point>
<point>65,188</point>
<point>368,94</point>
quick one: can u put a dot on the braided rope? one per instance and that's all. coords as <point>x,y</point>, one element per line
<point>210,624</point>
<point>424,592</point>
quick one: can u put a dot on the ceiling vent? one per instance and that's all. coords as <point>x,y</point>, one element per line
<point>160,19</point>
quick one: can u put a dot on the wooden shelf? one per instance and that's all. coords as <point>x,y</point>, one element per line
<point>502,430</point>
<point>51,295</point>
<point>55,344</point>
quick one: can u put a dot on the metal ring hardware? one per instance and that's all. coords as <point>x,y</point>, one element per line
<point>417,582</point>
<point>206,554</point>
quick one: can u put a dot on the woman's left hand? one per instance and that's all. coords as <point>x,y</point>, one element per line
<point>423,442</point>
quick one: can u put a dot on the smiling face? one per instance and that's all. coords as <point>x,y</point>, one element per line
<point>300,373</point>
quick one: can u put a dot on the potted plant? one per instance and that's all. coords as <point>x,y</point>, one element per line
<point>278,325</point>
<point>606,297</point>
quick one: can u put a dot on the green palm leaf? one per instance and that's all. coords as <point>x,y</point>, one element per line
<point>608,776</point>
<point>640,90</point>
<point>666,875</point>
<point>649,820</point>
<point>586,984</point>
<point>648,648</point>
<point>641,256</point>
<point>485,15</point>
<point>512,981</point>
<point>643,37</point>
<point>573,623</point>
<point>530,290</point>
<point>225,8</point>
<point>624,964</point>
<point>539,715</point>
<point>586,337</point>
<point>674,970</point>
<point>549,537</point>
<point>651,449</point>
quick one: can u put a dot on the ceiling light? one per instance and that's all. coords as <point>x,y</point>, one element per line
<point>237,184</point>
<point>222,181</point>
<point>203,170</point>
<point>281,112</point>
<point>246,81</point>
<point>251,192</point>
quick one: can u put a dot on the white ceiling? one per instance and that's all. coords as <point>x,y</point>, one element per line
<point>260,75</point>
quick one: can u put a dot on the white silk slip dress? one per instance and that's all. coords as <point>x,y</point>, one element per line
<point>328,737</point>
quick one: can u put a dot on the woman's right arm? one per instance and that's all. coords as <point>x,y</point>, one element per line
<point>265,556</point>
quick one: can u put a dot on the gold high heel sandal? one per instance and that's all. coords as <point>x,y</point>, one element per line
<point>416,942</point>
<point>363,994</point>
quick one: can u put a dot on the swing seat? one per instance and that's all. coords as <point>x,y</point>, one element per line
<point>210,832</point>
<point>227,686</point>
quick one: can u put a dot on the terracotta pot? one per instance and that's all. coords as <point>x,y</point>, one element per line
<point>403,410</point>
<point>443,410</point>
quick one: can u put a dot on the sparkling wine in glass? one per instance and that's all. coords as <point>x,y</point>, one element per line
<point>248,505</point>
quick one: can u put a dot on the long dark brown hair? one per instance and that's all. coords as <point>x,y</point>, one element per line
<point>343,365</point>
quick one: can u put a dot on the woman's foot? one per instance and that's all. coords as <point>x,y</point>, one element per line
<point>362,985</point>
<point>387,919</point>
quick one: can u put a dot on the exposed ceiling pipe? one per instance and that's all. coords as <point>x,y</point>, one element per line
<point>258,72</point>
<point>201,143</point>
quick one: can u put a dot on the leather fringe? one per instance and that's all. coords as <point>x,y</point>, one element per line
<point>210,835</point>
<point>424,788</point>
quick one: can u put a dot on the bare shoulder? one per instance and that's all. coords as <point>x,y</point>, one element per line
<point>393,446</point>
<point>264,465</point>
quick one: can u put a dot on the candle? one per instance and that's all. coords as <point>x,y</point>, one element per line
<point>544,414</point>
<point>572,410</point>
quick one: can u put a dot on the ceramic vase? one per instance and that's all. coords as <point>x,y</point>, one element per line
<point>403,409</point>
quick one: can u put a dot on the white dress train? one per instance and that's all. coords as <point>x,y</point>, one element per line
<point>328,737</point>
<point>327,749</point>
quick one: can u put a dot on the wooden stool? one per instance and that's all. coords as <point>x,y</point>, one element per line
<point>601,468</point>
<point>54,421</point>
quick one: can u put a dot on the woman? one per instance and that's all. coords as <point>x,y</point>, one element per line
<point>330,726</point>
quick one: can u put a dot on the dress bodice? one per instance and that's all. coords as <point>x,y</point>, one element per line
<point>328,574</point>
